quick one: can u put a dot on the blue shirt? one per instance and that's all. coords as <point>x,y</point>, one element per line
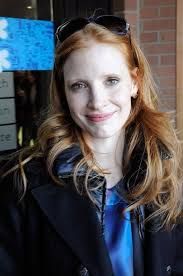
<point>118,234</point>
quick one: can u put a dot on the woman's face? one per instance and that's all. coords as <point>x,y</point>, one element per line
<point>99,87</point>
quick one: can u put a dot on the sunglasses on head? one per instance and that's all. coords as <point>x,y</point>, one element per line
<point>115,24</point>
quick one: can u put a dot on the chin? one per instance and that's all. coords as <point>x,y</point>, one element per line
<point>104,135</point>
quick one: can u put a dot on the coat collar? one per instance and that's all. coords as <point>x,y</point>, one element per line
<point>66,161</point>
<point>75,220</point>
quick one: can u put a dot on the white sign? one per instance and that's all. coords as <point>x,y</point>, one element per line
<point>8,137</point>
<point>7,111</point>
<point>6,85</point>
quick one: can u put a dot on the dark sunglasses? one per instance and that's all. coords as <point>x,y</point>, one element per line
<point>113,23</point>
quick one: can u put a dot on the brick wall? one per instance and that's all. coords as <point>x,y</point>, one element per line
<point>154,24</point>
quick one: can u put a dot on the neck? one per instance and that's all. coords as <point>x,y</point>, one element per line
<point>108,154</point>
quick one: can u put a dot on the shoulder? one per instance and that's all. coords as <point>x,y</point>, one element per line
<point>36,173</point>
<point>11,185</point>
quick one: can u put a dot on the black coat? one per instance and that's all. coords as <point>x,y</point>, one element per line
<point>55,231</point>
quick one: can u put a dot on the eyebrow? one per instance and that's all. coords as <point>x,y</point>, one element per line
<point>68,82</point>
<point>71,81</point>
<point>111,75</point>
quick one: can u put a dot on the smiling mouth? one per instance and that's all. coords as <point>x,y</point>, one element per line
<point>99,117</point>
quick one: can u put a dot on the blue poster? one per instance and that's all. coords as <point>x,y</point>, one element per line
<point>26,44</point>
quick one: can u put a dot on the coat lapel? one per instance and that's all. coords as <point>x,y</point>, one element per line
<point>158,251</point>
<point>138,260</point>
<point>75,220</point>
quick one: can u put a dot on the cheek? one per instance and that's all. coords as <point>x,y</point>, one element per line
<point>122,99</point>
<point>123,93</point>
<point>75,103</point>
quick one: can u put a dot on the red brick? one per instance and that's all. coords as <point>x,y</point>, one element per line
<point>165,99</point>
<point>149,12</point>
<point>131,18</point>
<point>168,60</point>
<point>134,31</point>
<point>149,37</point>
<point>167,109</point>
<point>168,35</point>
<point>163,71</point>
<point>159,48</point>
<point>130,4</point>
<point>159,24</point>
<point>167,82</point>
<point>168,92</point>
<point>153,60</point>
<point>169,106</point>
<point>159,2</point>
<point>168,97</point>
<point>167,11</point>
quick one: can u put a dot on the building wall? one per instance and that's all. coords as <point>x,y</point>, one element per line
<point>154,24</point>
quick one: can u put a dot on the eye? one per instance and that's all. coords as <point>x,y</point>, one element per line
<point>112,81</point>
<point>78,86</point>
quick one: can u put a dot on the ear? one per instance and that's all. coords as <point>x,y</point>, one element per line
<point>134,90</point>
<point>135,87</point>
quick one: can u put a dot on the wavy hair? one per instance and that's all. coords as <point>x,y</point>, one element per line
<point>161,185</point>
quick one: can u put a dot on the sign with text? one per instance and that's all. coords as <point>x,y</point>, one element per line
<point>7,111</point>
<point>8,137</point>
<point>26,44</point>
<point>6,85</point>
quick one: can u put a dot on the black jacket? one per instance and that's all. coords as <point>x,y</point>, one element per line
<point>55,231</point>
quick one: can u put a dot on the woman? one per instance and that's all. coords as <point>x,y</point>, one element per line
<point>99,194</point>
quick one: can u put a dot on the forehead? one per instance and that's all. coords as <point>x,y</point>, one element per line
<point>97,58</point>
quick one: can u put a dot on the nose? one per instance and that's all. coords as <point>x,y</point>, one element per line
<point>97,98</point>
